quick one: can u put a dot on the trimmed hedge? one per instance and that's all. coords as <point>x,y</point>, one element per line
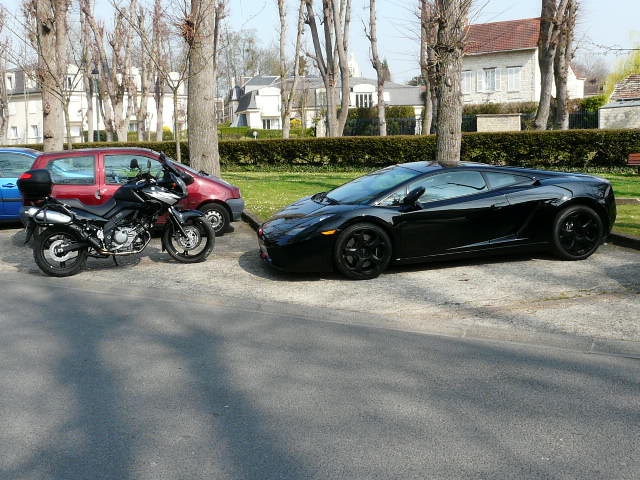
<point>572,149</point>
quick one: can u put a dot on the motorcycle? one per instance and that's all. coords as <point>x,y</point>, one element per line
<point>67,231</point>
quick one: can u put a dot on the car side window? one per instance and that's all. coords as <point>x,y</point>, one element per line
<point>73,170</point>
<point>500,179</point>
<point>450,184</point>
<point>118,169</point>
<point>12,165</point>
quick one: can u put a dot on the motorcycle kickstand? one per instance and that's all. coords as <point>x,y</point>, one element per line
<point>115,260</point>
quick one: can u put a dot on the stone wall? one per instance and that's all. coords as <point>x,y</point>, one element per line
<point>505,122</point>
<point>620,115</point>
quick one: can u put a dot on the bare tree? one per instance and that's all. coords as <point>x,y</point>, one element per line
<point>551,18</point>
<point>201,31</point>
<point>146,73</point>
<point>378,65</point>
<point>561,63</point>
<point>4,98</point>
<point>288,89</point>
<point>158,56</point>
<point>452,18</point>
<point>115,70</point>
<point>50,40</point>
<point>331,58</point>
<point>428,34</point>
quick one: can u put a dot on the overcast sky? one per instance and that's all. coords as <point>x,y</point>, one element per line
<point>601,22</point>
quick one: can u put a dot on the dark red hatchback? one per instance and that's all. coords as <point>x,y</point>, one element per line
<point>93,175</point>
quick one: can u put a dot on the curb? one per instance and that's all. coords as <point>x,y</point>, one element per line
<point>623,240</point>
<point>252,219</point>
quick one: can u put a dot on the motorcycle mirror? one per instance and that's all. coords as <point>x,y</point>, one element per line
<point>186,178</point>
<point>133,165</point>
<point>413,196</point>
<point>148,166</point>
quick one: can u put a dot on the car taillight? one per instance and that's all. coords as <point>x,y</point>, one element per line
<point>26,176</point>
<point>235,192</point>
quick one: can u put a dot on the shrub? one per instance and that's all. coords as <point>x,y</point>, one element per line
<point>567,150</point>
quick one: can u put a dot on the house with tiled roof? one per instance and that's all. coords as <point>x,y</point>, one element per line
<point>257,103</point>
<point>623,110</point>
<point>501,63</point>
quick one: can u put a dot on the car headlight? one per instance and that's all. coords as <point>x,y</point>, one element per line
<point>308,222</point>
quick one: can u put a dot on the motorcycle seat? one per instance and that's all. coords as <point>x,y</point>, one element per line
<point>99,210</point>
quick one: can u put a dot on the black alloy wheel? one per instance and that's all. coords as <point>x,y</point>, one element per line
<point>362,251</point>
<point>218,216</point>
<point>577,232</point>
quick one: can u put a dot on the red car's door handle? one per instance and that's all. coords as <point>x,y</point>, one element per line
<point>99,193</point>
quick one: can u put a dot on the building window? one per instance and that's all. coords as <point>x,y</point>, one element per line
<point>70,79</point>
<point>10,81</point>
<point>490,78</point>
<point>266,124</point>
<point>364,100</point>
<point>15,133</point>
<point>467,81</point>
<point>35,131</point>
<point>513,78</point>
<point>321,99</point>
<point>133,126</point>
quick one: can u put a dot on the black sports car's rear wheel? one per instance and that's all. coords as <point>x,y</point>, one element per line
<point>577,232</point>
<point>362,251</point>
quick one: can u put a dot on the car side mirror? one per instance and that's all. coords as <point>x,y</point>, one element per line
<point>412,197</point>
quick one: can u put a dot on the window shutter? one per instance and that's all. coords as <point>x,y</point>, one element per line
<point>499,73</point>
<point>480,81</point>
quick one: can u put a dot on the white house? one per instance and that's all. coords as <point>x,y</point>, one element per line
<point>501,64</point>
<point>257,104</point>
<point>25,108</point>
<point>623,110</point>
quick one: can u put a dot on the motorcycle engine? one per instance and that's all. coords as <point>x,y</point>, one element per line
<point>125,238</point>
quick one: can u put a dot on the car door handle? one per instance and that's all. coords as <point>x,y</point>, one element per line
<point>99,193</point>
<point>8,185</point>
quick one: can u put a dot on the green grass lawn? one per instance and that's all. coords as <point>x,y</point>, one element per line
<point>267,192</point>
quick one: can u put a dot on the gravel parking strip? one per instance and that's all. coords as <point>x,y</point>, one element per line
<point>589,304</point>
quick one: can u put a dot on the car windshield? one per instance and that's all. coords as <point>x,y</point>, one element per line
<point>371,186</point>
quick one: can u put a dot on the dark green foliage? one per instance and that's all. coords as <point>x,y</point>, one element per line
<point>592,104</point>
<point>564,150</point>
<point>493,108</point>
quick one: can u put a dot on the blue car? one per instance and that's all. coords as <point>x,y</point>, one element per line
<point>13,163</point>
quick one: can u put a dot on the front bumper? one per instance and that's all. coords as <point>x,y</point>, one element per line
<point>312,255</point>
<point>236,205</point>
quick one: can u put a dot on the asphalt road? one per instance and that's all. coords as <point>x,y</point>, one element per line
<point>106,381</point>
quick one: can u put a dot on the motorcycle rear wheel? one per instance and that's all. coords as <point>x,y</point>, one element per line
<point>195,247</point>
<point>53,263</point>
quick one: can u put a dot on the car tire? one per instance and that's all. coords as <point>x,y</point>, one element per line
<point>577,232</point>
<point>218,217</point>
<point>362,251</point>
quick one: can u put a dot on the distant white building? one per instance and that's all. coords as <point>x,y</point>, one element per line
<point>500,64</point>
<point>25,108</point>
<point>256,104</point>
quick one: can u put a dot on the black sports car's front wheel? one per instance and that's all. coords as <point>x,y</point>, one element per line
<point>577,232</point>
<point>362,251</point>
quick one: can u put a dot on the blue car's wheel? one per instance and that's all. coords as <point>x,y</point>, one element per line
<point>577,232</point>
<point>362,251</point>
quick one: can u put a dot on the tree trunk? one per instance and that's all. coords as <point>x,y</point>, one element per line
<point>159,99</point>
<point>378,66</point>
<point>427,62</point>
<point>562,60</point>
<point>201,106</point>
<point>449,48</point>
<point>551,16</point>
<point>51,18</point>
<point>288,93</point>
<point>176,128</point>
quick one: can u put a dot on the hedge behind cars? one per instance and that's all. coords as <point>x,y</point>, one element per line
<point>571,149</point>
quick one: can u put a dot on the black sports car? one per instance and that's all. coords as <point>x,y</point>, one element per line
<point>415,212</point>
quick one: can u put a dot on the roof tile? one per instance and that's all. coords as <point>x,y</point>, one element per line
<point>503,36</point>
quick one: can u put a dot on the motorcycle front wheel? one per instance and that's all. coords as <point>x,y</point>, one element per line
<point>46,252</point>
<point>193,247</point>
